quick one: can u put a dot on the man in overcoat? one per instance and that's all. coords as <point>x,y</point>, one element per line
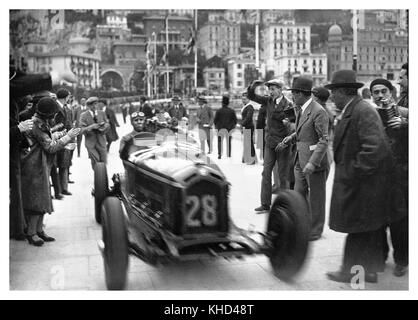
<point>205,119</point>
<point>94,125</point>
<point>360,195</point>
<point>36,167</point>
<point>311,165</point>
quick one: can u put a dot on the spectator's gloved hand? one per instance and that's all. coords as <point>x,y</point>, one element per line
<point>26,125</point>
<point>74,132</point>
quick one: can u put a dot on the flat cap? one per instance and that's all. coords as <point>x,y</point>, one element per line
<point>92,100</point>
<point>275,82</point>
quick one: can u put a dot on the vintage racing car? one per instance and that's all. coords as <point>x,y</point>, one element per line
<point>171,203</point>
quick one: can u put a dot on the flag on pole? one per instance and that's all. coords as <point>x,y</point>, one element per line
<point>192,41</point>
<point>56,19</point>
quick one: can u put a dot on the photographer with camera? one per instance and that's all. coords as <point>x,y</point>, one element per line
<point>395,121</point>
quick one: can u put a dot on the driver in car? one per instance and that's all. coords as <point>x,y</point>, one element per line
<point>138,124</point>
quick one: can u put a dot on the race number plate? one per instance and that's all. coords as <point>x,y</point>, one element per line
<point>202,208</point>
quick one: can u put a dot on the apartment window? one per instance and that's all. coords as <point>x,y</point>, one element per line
<point>320,63</point>
<point>220,75</point>
<point>289,62</point>
<point>314,71</point>
<point>239,74</point>
<point>320,70</point>
<point>304,46</point>
<point>359,67</point>
<point>296,62</point>
<point>281,45</point>
<point>275,45</point>
<point>212,75</point>
<point>296,70</point>
<point>314,62</point>
<point>239,66</point>
<point>239,83</point>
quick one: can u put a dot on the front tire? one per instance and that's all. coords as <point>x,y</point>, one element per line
<point>101,189</point>
<point>288,230</point>
<point>115,255</point>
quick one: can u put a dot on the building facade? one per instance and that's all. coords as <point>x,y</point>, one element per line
<point>220,38</point>
<point>380,52</point>
<point>285,39</point>
<point>179,29</point>
<point>85,66</point>
<point>241,72</point>
<point>312,64</point>
<point>214,79</point>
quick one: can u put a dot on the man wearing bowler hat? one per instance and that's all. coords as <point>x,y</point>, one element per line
<point>311,165</point>
<point>277,128</point>
<point>177,111</point>
<point>360,195</point>
<point>94,125</point>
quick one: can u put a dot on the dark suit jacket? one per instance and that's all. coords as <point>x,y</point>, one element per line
<point>247,117</point>
<point>225,118</point>
<point>77,115</point>
<point>363,165</point>
<point>311,137</point>
<point>94,137</point>
<point>177,113</point>
<point>275,129</point>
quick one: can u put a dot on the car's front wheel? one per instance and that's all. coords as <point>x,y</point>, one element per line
<point>115,255</point>
<point>288,234</point>
<point>101,188</point>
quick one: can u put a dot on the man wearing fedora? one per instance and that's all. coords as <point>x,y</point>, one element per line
<point>177,111</point>
<point>311,165</point>
<point>205,121</point>
<point>360,195</point>
<point>94,125</point>
<point>276,131</point>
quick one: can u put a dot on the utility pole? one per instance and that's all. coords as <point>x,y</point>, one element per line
<point>195,51</point>
<point>148,70</point>
<point>155,65</point>
<point>355,40</point>
<point>167,91</point>
<point>257,43</point>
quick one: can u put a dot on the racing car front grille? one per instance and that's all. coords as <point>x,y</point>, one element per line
<point>205,208</point>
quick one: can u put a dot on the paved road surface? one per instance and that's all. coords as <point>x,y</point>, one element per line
<point>73,262</point>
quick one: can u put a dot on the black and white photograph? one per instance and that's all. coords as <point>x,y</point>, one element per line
<point>202,150</point>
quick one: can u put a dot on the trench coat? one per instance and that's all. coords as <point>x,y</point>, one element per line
<point>36,166</point>
<point>363,165</point>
